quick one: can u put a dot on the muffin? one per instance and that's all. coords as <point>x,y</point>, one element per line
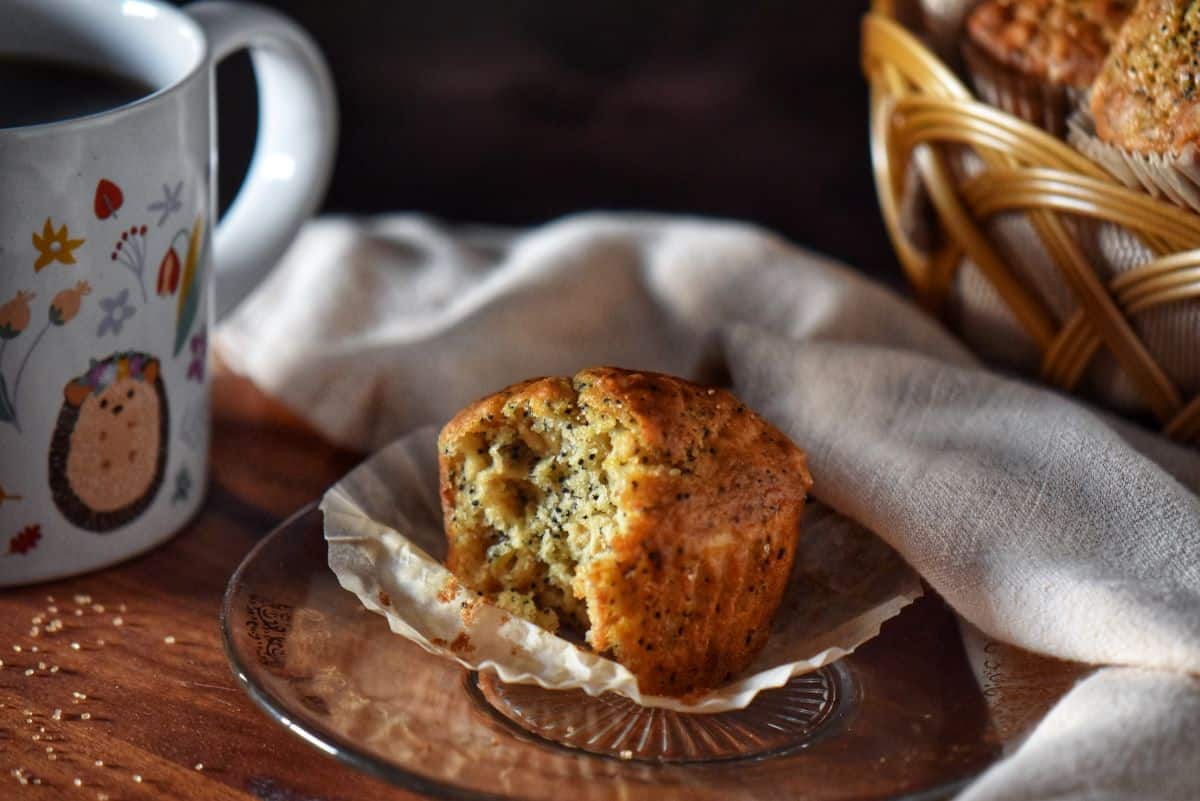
<point>658,517</point>
<point>1144,118</point>
<point>1037,58</point>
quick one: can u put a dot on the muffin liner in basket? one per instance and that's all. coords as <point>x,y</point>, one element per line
<point>1175,176</point>
<point>1037,101</point>
<point>383,524</point>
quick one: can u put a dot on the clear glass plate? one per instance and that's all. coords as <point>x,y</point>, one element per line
<point>902,718</point>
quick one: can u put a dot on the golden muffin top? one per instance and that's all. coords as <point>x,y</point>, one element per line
<point>1145,97</point>
<point>1063,42</point>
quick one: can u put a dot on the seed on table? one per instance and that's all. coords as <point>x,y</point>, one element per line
<point>169,639</point>
<point>118,621</point>
<point>199,766</point>
<point>78,782</point>
<point>100,643</point>
<point>29,671</point>
<point>86,716</point>
<point>52,610</point>
<point>54,668</point>
<point>101,796</point>
<point>35,631</point>
<point>79,695</point>
<point>74,646</point>
<point>49,749</point>
<point>98,609</point>
<point>17,648</point>
<point>137,777</point>
<point>41,665</point>
<point>78,613</point>
<point>33,649</point>
<point>83,600</point>
<point>57,714</point>
<point>99,763</point>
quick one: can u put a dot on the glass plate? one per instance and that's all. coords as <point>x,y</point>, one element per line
<point>902,718</point>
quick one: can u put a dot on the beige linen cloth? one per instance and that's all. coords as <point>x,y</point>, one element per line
<point>1043,523</point>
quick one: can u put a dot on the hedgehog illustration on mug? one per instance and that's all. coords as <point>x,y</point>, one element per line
<point>108,453</point>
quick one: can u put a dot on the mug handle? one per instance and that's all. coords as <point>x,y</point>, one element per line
<point>293,155</point>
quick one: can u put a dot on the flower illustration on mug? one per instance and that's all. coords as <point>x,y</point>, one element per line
<point>117,310</point>
<point>168,205</point>
<point>199,347</point>
<point>54,245</point>
<point>189,281</point>
<point>130,250</point>
<point>14,316</point>
<point>24,540</point>
<point>66,304</point>
<point>14,319</point>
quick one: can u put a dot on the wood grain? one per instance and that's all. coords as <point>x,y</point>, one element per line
<point>153,709</point>
<point>153,697</point>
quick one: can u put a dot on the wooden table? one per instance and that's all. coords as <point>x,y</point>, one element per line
<point>133,699</point>
<point>168,713</point>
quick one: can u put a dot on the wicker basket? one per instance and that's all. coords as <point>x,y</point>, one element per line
<point>1016,239</point>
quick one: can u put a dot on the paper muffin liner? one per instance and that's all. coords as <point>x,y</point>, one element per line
<point>1175,176</point>
<point>1034,100</point>
<point>383,525</point>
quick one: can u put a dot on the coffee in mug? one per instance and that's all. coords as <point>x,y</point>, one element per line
<point>37,91</point>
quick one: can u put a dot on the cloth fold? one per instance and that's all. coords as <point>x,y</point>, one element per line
<point>1043,523</point>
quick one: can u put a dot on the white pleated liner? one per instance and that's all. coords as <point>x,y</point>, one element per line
<point>1175,176</point>
<point>383,526</point>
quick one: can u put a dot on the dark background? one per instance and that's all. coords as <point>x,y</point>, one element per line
<point>518,111</point>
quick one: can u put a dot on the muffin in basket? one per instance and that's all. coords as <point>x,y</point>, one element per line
<point>1145,109</point>
<point>1037,58</point>
<point>658,516</point>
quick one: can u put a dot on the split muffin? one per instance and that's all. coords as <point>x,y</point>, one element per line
<point>656,516</point>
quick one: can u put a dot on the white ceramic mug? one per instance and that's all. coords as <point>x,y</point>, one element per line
<point>108,260</point>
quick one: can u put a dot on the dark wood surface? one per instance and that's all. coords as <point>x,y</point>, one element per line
<point>154,697</point>
<point>157,709</point>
